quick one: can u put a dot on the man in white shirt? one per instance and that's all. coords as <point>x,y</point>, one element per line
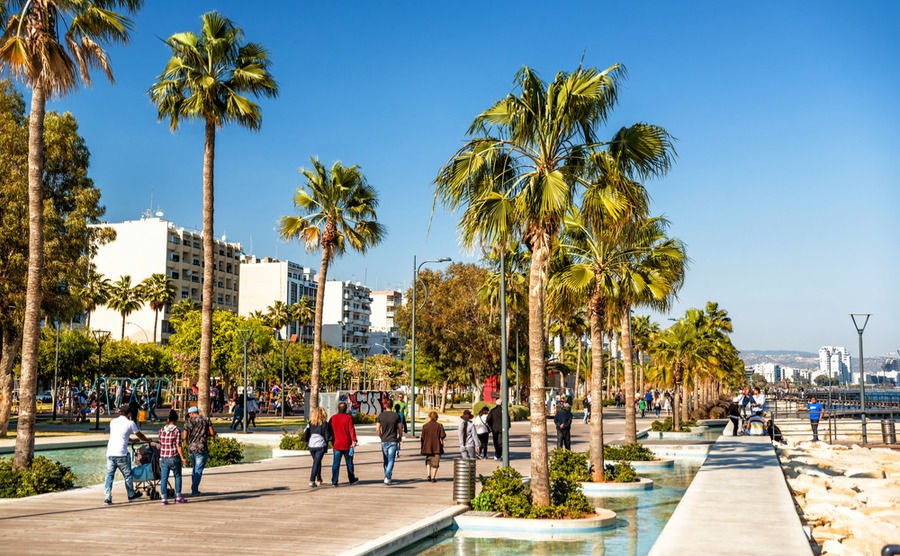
<point>120,430</point>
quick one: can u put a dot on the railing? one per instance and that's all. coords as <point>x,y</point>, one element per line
<point>840,420</point>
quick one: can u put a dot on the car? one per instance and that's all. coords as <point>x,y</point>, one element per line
<point>46,396</point>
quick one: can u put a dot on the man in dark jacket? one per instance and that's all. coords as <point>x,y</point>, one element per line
<point>495,421</point>
<point>563,421</point>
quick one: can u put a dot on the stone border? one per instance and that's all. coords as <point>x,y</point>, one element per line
<point>410,534</point>
<point>517,528</point>
<point>657,464</point>
<point>279,453</point>
<point>676,435</point>
<point>605,489</point>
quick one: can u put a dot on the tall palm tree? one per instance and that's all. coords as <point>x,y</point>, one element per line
<point>301,313</point>
<point>209,78</point>
<point>642,334</point>
<point>278,315</point>
<point>93,293</point>
<point>159,292</point>
<point>51,45</point>
<point>338,213</point>
<point>124,298</point>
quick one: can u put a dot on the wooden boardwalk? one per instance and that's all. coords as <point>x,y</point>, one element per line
<point>264,507</point>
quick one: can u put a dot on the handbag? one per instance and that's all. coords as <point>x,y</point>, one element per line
<point>306,435</point>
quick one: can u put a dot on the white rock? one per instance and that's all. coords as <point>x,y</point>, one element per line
<point>833,547</point>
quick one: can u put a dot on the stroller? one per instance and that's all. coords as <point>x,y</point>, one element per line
<point>146,472</point>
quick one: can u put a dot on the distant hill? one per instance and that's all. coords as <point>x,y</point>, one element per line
<point>785,358</point>
<point>764,352</point>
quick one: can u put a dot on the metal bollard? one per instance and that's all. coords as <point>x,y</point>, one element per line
<point>888,431</point>
<point>463,480</point>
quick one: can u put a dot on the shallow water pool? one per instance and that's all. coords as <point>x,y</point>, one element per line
<point>641,519</point>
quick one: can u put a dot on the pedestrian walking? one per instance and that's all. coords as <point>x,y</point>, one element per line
<point>432,445</point>
<point>468,440</point>
<point>252,409</point>
<point>238,416</point>
<point>171,458</point>
<point>587,410</point>
<point>317,435</point>
<point>495,422</point>
<point>657,406</point>
<point>117,457</point>
<point>563,421</point>
<point>815,414</point>
<point>642,405</point>
<point>667,405</point>
<point>734,413</point>
<point>483,430</point>
<point>344,442</point>
<point>389,429</point>
<point>197,432</point>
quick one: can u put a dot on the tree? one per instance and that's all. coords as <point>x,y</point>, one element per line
<point>301,313</point>
<point>92,293</point>
<point>541,135</point>
<point>207,79</point>
<point>642,333</point>
<point>159,292</point>
<point>278,315</point>
<point>51,45</point>
<point>125,299</point>
<point>337,213</point>
<point>71,205</point>
<point>181,309</point>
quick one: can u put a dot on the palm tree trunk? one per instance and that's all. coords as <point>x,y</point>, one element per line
<point>641,364</point>
<point>630,416</point>
<point>540,466</point>
<point>122,333</point>
<point>317,329</point>
<point>209,261</point>
<point>31,332</point>
<point>596,446</point>
<point>577,363</point>
<point>10,347</point>
<point>685,401</point>
<point>676,397</point>
<point>155,321</point>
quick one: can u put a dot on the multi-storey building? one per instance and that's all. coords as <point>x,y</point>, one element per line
<point>266,280</point>
<point>835,362</point>
<point>152,245</point>
<point>346,315</point>
<point>384,335</point>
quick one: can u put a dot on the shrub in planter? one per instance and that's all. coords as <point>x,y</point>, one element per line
<point>363,419</point>
<point>717,413</point>
<point>519,412</point>
<point>620,473</point>
<point>569,465</point>
<point>668,425</point>
<point>292,441</point>
<point>504,492</point>
<point>699,414</point>
<point>629,452</point>
<point>224,451</point>
<point>43,476</point>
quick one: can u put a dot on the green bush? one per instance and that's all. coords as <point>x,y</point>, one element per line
<point>520,412</point>
<point>577,404</point>
<point>569,465</point>
<point>477,407</point>
<point>717,413</point>
<point>629,452</point>
<point>504,492</point>
<point>668,425</point>
<point>43,476</point>
<point>224,451</point>
<point>292,441</point>
<point>609,403</point>
<point>363,419</point>
<point>620,473</point>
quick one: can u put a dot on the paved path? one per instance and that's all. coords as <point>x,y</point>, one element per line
<point>738,503</point>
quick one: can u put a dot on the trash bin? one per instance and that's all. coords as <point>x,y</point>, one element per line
<point>888,431</point>
<point>463,480</point>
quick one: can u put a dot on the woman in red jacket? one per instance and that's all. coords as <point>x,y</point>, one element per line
<point>343,444</point>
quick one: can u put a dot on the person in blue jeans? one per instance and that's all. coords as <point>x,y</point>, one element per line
<point>120,430</point>
<point>815,413</point>
<point>318,435</point>
<point>389,428</point>
<point>171,458</point>
<point>197,432</point>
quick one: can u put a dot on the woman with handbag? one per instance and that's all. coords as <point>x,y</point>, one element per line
<point>317,435</point>
<point>483,430</point>
<point>432,440</point>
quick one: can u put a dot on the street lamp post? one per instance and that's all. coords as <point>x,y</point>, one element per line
<point>412,372</point>
<point>146,336</point>
<point>862,372</point>
<point>504,377</point>
<point>55,367</point>
<point>101,336</point>
<point>283,347</point>
<point>343,324</point>
<point>245,335</point>
<point>366,375</point>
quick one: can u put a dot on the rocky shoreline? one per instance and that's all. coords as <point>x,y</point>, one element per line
<point>848,496</point>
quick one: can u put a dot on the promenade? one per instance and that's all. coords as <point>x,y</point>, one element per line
<point>265,507</point>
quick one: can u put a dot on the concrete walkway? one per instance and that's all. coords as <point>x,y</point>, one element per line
<point>738,503</point>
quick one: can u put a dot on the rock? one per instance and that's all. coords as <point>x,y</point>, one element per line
<point>833,547</point>
<point>860,547</point>
<point>853,473</point>
<point>822,534</point>
<point>818,495</point>
<point>881,498</point>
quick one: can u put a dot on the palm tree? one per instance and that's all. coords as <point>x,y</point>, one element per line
<point>544,132</point>
<point>51,45</point>
<point>124,298</point>
<point>207,78</point>
<point>301,313</point>
<point>278,315</point>
<point>181,309</point>
<point>159,292</point>
<point>642,333</point>
<point>93,293</point>
<point>338,213</point>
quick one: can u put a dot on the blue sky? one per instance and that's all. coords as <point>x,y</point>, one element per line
<point>785,190</point>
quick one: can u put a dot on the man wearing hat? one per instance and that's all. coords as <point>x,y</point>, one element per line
<point>468,440</point>
<point>197,432</point>
<point>120,430</point>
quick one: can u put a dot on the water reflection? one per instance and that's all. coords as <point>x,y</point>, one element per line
<point>641,518</point>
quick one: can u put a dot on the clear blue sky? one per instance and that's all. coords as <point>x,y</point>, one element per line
<point>786,114</point>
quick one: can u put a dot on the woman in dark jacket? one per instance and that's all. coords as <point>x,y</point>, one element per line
<point>432,439</point>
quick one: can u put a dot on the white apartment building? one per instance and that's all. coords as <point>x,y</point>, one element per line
<point>346,314</point>
<point>384,336</point>
<point>835,362</point>
<point>770,371</point>
<point>152,245</point>
<point>264,281</point>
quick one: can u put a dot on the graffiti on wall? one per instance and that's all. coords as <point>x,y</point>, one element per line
<point>368,402</point>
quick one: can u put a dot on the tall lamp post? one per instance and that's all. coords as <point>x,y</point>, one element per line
<point>146,336</point>
<point>366,375</point>
<point>284,343</point>
<point>412,372</point>
<point>55,367</point>
<point>343,324</point>
<point>101,336</point>
<point>245,335</point>
<point>862,372</point>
